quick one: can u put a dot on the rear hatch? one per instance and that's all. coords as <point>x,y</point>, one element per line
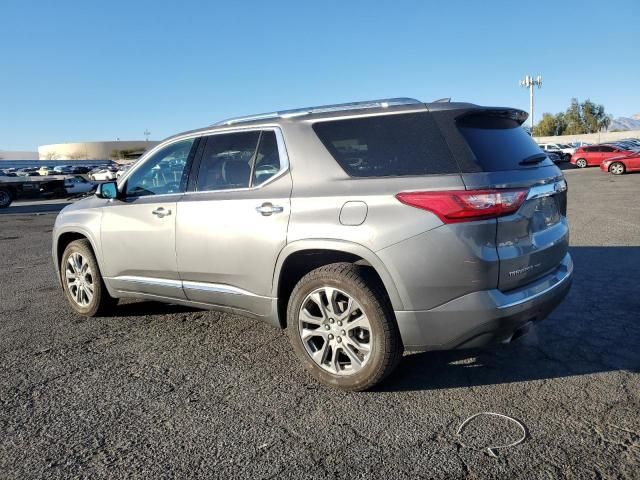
<point>495,152</point>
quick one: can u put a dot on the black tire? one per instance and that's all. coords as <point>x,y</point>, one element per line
<point>615,170</point>
<point>101,302</point>
<point>581,163</point>
<point>5,198</point>
<point>385,342</point>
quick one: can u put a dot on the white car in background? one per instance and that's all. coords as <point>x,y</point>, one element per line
<point>123,170</point>
<point>103,175</point>
<point>77,184</point>
<point>565,151</point>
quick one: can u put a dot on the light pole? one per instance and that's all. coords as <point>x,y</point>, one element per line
<point>146,134</point>
<point>529,82</point>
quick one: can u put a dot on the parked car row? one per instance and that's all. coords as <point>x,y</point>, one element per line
<point>615,157</point>
<point>98,173</point>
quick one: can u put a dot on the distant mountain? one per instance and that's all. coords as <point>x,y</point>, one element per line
<point>626,123</point>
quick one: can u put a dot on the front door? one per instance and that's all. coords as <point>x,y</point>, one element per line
<point>232,224</point>
<point>138,231</point>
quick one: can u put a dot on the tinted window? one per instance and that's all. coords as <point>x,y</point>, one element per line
<point>164,172</point>
<point>226,161</point>
<point>267,162</point>
<point>607,149</point>
<point>499,143</point>
<point>590,149</point>
<point>389,145</point>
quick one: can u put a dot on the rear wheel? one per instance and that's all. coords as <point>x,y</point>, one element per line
<point>581,163</point>
<point>82,282</point>
<point>342,327</point>
<point>616,168</point>
<point>5,198</point>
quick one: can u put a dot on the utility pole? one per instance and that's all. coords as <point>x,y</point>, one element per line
<point>146,134</point>
<point>529,82</point>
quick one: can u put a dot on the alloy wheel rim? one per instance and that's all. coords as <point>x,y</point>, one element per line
<point>79,279</point>
<point>617,169</point>
<point>335,331</point>
<point>4,197</point>
<point>582,163</point>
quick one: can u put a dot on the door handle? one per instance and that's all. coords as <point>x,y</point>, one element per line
<point>161,212</point>
<point>268,208</point>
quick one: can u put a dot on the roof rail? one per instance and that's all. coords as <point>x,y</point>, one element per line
<point>338,107</point>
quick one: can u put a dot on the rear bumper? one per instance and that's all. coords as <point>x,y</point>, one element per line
<point>485,317</point>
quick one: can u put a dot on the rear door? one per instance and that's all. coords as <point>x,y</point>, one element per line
<point>232,224</point>
<point>590,154</point>
<point>495,152</point>
<point>607,152</point>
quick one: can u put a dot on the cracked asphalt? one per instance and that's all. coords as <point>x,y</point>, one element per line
<point>165,391</point>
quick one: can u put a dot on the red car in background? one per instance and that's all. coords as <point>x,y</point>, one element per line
<point>622,164</point>
<point>594,155</point>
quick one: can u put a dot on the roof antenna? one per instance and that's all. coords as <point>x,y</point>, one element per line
<point>443,100</point>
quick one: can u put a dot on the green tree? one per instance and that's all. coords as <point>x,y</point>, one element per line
<point>573,119</point>
<point>585,117</point>
<point>594,117</point>
<point>546,127</point>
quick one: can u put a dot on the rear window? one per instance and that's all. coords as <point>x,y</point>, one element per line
<point>387,145</point>
<point>499,143</point>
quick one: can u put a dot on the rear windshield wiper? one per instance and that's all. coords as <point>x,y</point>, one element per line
<point>535,158</point>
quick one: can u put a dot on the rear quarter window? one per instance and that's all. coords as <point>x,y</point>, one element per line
<point>499,143</point>
<point>408,144</point>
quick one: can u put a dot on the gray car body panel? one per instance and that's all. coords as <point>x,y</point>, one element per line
<point>216,251</point>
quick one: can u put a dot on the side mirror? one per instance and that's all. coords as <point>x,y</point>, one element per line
<point>108,190</point>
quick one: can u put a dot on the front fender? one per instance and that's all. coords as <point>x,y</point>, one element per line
<point>82,222</point>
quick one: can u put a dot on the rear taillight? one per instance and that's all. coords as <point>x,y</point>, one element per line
<point>455,206</point>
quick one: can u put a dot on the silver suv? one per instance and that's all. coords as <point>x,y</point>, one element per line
<point>363,229</point>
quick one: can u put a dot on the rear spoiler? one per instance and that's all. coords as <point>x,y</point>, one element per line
<point>515,114</point>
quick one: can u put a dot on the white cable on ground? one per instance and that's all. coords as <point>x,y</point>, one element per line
<point>493,450</point>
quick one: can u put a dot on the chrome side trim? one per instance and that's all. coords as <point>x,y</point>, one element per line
<point>536,295</point>
<point>218,288</point>
<point>201,286</point>
<point>162,282</point>
<point>205,133</point>
<point>547,189</point>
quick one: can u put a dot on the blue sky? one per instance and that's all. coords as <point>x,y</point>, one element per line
<point>101,70</point>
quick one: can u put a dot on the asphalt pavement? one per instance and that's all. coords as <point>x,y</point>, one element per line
<point>166,391</point>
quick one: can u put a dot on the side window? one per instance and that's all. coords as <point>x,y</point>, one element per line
<point>607,149</point>
<point>399,145</point>
<point>227,160</point>
<point>164,172</point>
<point>590,149</point>
<point>267,162</point>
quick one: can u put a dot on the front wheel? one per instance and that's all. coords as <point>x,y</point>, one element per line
<point>616,168</point>
<point>81,280</point>
<point>581,163</point>
<point>342,327</point>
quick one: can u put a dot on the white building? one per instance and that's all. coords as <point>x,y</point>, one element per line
<point>116,150</point>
